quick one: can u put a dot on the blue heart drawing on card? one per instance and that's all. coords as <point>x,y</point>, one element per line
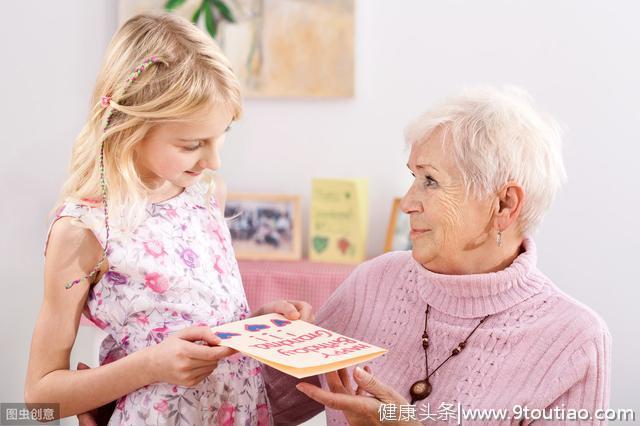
<point>280,323</point>
<point>255,327</point>
<point>224,336</point>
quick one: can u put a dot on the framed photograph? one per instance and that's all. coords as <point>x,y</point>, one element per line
<point>265,226</point>
<point>398,229</point>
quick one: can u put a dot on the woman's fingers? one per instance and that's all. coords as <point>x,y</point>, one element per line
<point>337,401</point>
<point>359,390</point>
<point>376,388</point>
<point>334,382</point>
<point>291,309</point>
<point>281,307</point>
<point>288,309</point>
<point>343,374</point>
<point>86,419</point>
<point>305,310</point>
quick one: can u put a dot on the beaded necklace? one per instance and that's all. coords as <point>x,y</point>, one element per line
<point>422,388</point>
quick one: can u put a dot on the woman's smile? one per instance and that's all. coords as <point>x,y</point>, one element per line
<point>417,232</point>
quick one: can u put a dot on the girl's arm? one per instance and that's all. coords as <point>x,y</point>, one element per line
<point>73,252</point>
<point>179,359</point>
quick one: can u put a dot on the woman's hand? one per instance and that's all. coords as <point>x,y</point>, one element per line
<point>358,408</point>
<point>291,309</point>
<point>99,416</point>
<point>180,361</point>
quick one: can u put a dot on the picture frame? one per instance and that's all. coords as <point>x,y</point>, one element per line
<point>264,226</point>
<point>263,37</point>
<point>398,229</point>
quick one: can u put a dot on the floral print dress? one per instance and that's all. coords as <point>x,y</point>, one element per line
<point>176,270</point>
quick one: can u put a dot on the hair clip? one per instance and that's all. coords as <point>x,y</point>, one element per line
<point>104,101</point>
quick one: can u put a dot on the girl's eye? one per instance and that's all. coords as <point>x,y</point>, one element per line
<point>192,148</point>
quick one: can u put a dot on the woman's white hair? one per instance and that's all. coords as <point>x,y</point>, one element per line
<point>496,136</point>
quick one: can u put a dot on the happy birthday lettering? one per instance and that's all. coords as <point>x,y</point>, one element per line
<point>345,351</point>
<point>291,342</point>
<point>321,347</point>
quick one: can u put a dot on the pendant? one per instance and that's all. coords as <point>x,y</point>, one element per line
<point>420,390</point>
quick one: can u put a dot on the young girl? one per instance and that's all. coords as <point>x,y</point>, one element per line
<point>137,205</point>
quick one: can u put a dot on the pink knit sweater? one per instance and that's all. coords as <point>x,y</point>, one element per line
<point>539,348</point>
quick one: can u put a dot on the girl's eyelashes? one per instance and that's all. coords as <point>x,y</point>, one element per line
<point>192,147</point>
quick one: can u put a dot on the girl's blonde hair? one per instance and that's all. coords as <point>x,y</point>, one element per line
<point>189,72</point>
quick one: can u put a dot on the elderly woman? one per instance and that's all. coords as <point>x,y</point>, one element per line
<point>468,319</point>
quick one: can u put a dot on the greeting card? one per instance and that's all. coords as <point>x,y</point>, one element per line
<point>296,347</point>
<point>338,226</point>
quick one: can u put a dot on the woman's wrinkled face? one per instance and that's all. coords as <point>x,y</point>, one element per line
<point>447,229</point>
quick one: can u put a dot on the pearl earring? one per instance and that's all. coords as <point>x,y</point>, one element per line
<point>499,238</point>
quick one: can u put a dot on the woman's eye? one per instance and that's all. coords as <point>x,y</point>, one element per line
<point>429,181</point>
<point>192,147</point>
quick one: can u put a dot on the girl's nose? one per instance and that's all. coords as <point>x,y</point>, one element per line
<point>210,158</point>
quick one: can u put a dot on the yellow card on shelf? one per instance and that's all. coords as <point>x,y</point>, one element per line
<point>339,216</point>
<point>297,348</point>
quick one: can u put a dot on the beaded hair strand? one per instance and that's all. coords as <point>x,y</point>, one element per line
<point>105,102</point>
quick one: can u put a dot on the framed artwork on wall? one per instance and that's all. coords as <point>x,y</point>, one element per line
<point>277,48</point>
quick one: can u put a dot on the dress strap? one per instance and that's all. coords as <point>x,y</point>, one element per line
<point>84,216</point>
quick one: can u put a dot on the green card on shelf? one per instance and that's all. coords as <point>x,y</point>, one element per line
<point>339,216</point>
<point>297,348</point>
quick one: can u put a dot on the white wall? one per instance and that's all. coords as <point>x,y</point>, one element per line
<point>579,59</point>
<point>51,52</point>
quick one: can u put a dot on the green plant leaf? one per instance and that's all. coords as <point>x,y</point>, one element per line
<point>196,14</point>
<point>210,21</point>
<point>225,12</point>
<point>172,4</point>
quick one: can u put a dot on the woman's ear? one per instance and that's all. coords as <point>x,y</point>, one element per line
<point>509,204</point>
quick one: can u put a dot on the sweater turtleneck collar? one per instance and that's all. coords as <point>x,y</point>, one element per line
<point>478,295</point>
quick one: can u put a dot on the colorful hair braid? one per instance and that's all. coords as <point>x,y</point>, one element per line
<point>105,102</point>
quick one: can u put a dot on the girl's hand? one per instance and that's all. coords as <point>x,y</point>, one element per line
<point>357,406</point>
<point>291,309</point>
<point>180,361</point>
